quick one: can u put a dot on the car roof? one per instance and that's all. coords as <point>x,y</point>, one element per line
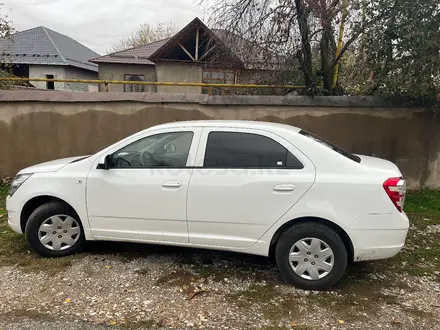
<point>229,123</point>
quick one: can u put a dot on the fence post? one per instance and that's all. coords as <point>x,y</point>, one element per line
<point>106,86</point>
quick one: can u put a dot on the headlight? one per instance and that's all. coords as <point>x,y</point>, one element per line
<point>17,182</point>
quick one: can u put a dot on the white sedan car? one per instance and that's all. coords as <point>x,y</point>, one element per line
<point>252,187</point>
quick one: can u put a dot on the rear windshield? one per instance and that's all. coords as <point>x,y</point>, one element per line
<point>331,146</point>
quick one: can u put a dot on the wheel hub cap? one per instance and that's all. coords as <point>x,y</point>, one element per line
<point>311,258</point>
<point>59,232</point>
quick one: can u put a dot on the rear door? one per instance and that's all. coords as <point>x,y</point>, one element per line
<point>243,182</point>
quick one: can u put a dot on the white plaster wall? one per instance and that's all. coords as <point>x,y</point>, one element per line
<point>40,71</point>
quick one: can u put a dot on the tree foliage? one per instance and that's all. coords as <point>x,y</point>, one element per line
<point>145,34</point>
<point>402,51</point>
<point>389,46</point>
<point>6,30</point>
<point>299,33</point>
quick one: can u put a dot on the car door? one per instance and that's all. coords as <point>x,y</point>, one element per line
<point>244,181</point>
<point>143,195</point>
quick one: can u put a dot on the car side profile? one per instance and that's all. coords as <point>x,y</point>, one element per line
<point>251,187</point>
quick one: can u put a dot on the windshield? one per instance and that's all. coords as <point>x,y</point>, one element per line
<point>331,146</point>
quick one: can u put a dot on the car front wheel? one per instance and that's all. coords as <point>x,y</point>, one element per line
<point>311,256</point>
<point>54,230</point>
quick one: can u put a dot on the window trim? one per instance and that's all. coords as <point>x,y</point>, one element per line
<point>192,131</point>
<point>209,80</point>
<point>240,131</point>
<point>131,85</point>
<point>50,85</point>
<point>330,146</point>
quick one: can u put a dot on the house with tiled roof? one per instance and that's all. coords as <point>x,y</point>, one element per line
<point>43,53</point>
<point>195,54</point>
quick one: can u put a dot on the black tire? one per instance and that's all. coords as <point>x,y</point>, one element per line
<point>316,230</point>
<point>44,212</point>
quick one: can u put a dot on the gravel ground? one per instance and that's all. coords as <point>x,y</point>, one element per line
<point>131,286</point>
<point>30,324</point>
<point>143,287</point>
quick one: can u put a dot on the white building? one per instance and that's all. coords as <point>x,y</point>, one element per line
<point>44,53</point>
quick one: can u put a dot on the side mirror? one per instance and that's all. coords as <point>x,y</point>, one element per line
<point>104,162</point>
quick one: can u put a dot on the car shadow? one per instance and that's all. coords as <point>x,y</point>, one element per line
<point>221,264</point>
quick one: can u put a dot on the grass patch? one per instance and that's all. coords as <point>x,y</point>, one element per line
<point>144,324</point>
<point>357,295</point>
<point>421,254</point>
<point>275,307</point>
<point>32,314</point>
<point>423,201</point>
<point>296,327</point>
<point>3,193</point>
<point>256,292</point>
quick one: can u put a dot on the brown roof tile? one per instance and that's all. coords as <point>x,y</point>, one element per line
<point>135,55</point>
<point>242,50</point>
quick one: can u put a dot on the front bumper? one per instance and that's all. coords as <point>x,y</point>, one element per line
<point>13,216</point>
<point>378,236</point>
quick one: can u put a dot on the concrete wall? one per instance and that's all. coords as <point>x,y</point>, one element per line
<point>71,72</point>
<point>40,126</point>
<point>112,71</point>
<point>178,72</point>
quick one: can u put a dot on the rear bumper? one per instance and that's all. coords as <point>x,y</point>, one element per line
<point>378,236</point>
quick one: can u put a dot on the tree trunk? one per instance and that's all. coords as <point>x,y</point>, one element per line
<point>326,72</point>
<point>306,58</point>
<point>326,48</point>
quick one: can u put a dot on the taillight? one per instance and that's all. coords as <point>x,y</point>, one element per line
<point>396,189</point>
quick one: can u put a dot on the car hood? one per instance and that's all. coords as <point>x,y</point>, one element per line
<point>51,166</point>
<point>379,164</point>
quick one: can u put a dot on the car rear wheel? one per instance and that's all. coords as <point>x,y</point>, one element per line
<point>311,256</point>
<point>54,230</point>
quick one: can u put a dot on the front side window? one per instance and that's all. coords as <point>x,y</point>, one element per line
<point>134,88</point>
<point>246,150</point>
<point>159,150</point>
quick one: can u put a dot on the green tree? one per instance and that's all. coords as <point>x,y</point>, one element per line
<point>298,33</point>
<point>389,47</point>
<point>146,34</point>
<point>402,52</point>
<point>6,30</point>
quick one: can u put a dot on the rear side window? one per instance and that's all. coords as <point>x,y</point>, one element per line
<point>331,146</point>
<point>246,150</point>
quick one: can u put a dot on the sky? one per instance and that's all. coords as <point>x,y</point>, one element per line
<point>99,24</point>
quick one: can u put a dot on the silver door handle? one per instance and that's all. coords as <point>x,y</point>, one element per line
<point>172,184</point>
<point>284,187</point>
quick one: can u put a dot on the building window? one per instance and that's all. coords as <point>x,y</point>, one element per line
<point>134,88</point>
<point>217,76</point>
<point>50,84</point>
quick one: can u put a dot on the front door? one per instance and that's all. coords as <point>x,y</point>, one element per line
<point>244,181</point>
<point>144,193</point>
